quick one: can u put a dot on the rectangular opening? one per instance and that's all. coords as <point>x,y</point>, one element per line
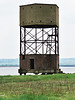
<point>23,57</point>
<point>31,63</point>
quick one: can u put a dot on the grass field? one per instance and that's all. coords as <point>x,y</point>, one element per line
<point>38,87</point>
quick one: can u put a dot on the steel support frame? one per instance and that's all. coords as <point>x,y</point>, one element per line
<point>39,40</point>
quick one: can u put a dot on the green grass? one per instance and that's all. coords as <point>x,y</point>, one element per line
<point>38,87</point>
<point>28,97</point>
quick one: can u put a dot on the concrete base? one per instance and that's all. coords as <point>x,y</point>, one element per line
<point>39,63</point>
<point>22,71</point>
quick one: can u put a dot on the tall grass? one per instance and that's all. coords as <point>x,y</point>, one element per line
<point>38,87</point>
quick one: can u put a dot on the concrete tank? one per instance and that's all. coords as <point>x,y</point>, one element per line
<point>39,14</point>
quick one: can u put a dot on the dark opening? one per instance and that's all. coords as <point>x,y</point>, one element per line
<point>23,57</point>
<point>31,63</point>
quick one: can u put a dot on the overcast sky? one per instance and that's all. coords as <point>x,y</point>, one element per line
<point>9,26</point>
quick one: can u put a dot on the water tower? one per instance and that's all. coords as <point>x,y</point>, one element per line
<point>39,39</point>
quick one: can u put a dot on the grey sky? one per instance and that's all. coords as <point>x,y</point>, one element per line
<point>9,26</point>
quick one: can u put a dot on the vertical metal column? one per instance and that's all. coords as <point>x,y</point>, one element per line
<point>58,40</point>
<point>51,41</point>
<point>35,40</point>
<point>20,40</point>
<point>42,41</point>
<point>55,39</point>
<point>24,41</point>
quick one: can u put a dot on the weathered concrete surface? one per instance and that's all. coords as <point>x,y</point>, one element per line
<point>39,14</point>
<point>43,63</point>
